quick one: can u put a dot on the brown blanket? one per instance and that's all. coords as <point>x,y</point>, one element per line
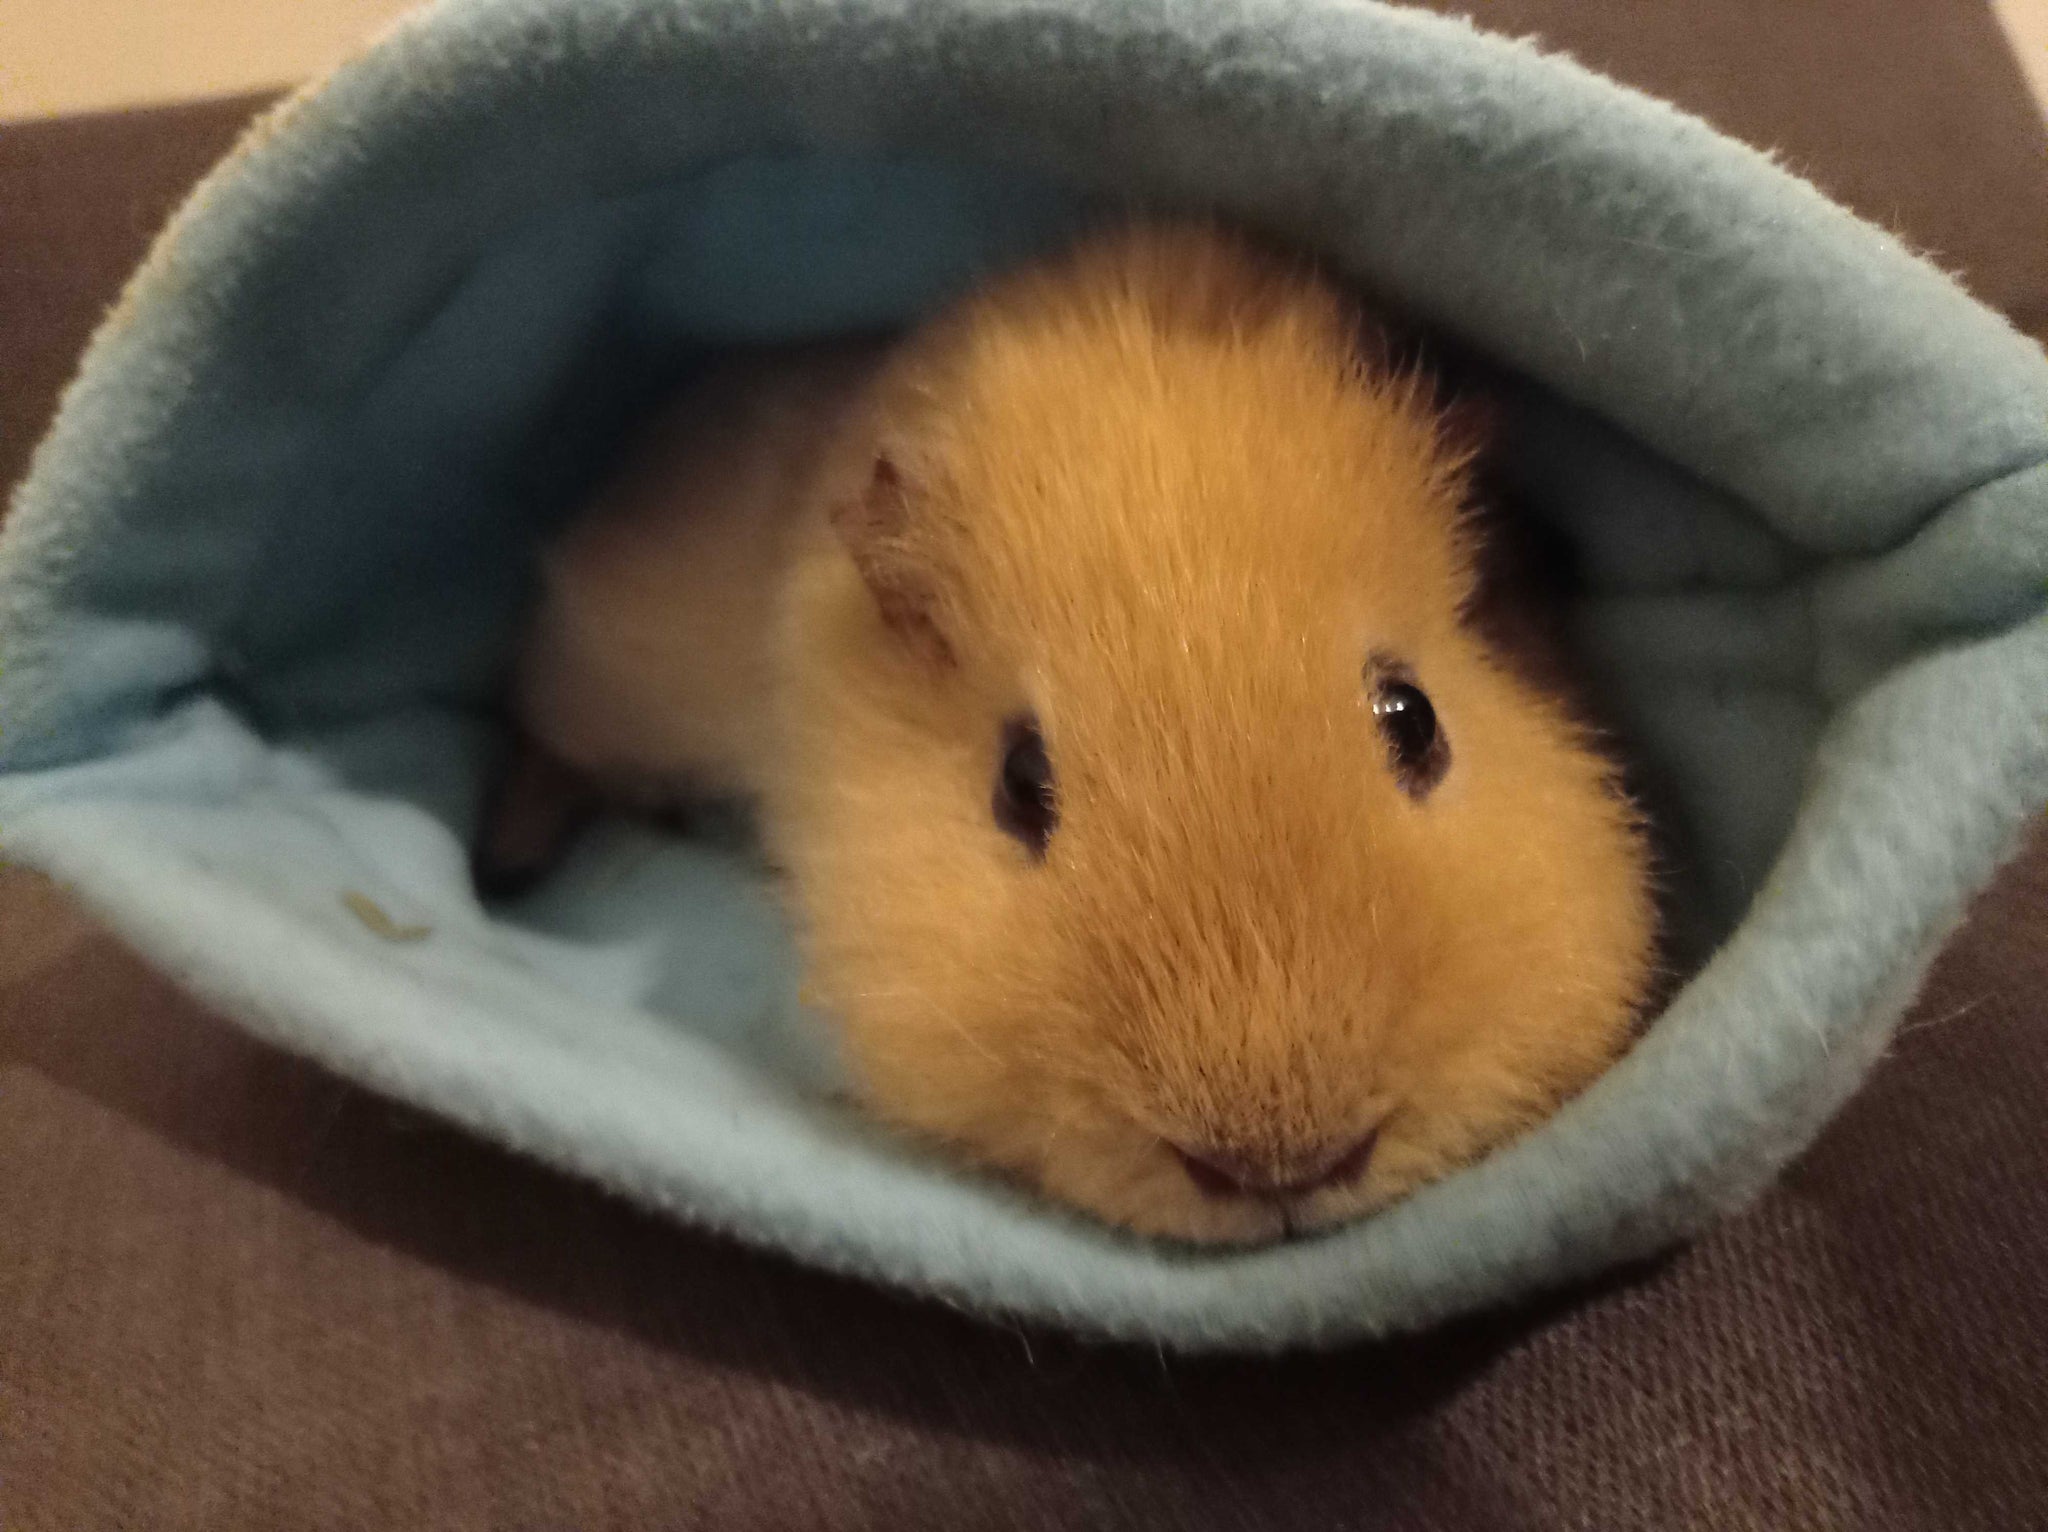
<point>237,1293</point>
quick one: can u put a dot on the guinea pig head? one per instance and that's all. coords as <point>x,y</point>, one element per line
<point>1160,830</point>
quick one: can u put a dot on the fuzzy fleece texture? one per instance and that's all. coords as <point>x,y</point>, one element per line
<point>256,590</point>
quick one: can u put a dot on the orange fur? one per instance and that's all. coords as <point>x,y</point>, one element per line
<point>1152,493</point>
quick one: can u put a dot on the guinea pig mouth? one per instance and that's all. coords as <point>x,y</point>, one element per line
<point>1244,1223</point>
<point>1222,1174</point>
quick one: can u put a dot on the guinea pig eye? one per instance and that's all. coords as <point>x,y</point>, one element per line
<point>1023,804</point>
<point>1408,723</point>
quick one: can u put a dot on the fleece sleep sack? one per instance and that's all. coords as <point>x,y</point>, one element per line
<point>258,585</point>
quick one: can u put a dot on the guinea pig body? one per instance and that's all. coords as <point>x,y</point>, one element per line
<point>1160,828</point>
<point>647,665</point>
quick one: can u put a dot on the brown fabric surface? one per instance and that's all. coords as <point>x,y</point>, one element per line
<point>235,1292</point>
<point>80,200</point>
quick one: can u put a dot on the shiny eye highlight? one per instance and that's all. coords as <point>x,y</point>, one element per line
<point>1416,745</point>
<point>1023,803</point>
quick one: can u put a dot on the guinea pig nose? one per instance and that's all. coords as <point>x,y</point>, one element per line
<point>1222,1173</point>
<point>1217,1172</point>
<point>1349,1164</point>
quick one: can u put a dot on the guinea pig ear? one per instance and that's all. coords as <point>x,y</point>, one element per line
<point>873,524</point>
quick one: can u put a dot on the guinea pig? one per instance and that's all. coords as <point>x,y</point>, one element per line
<point>1160,826</point>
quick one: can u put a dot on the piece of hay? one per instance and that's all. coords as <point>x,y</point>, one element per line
<point>379,923</point>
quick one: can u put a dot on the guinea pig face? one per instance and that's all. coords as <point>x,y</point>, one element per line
<point>1161,834</point>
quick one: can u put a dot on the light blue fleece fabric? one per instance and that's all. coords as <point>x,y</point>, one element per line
<point>256,588</point>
